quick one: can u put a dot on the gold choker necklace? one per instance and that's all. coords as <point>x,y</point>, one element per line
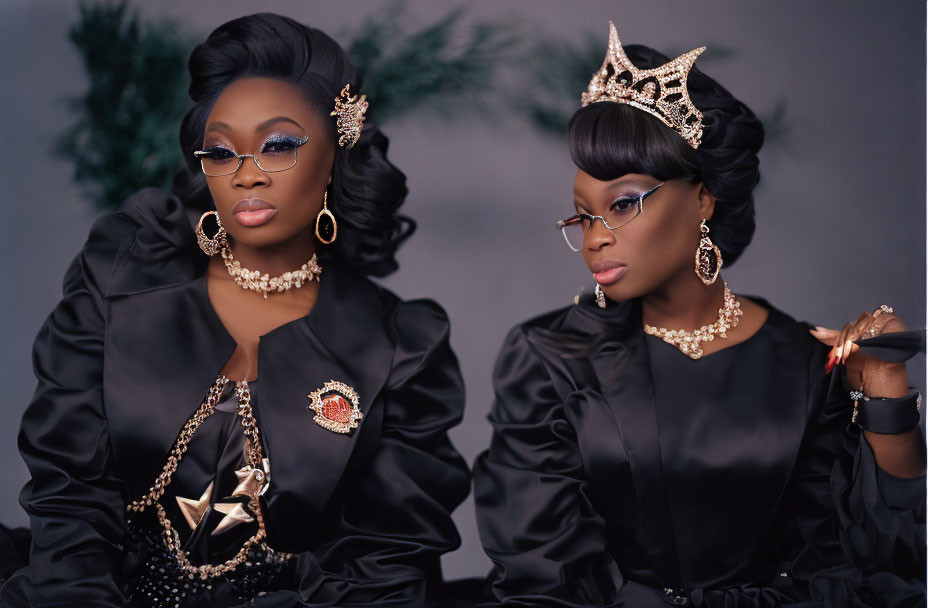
<point>690,342</point>
<point>264,284</point>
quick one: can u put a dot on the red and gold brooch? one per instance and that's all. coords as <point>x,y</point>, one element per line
<point>337,407</point>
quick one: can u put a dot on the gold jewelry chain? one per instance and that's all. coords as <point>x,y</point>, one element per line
<point>265,284</point>
<point>690,342</point>
<point>254,455</point>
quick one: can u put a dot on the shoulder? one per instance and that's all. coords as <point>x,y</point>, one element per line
<point>782,322</point>
<point>788,333</point>
<point>557,322</point>
<point>403,320</point>
<point>530,346</point>
<point>151,209</point>
<point>528,369</point>
<point>559,318</point>
<point>578,331</point>
<point>419,329</point>
<point>149,230</point>
<point>414,316</point>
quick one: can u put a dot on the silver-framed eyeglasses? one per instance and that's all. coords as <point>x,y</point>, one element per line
<point>622,210</point>
<point>276,154</point>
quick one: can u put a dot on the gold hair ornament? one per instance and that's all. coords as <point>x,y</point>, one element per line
<point>349,111</point>
<point>661,91</point>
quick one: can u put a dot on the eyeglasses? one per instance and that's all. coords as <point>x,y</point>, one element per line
<point>620,212</point>
<point>276,154</point>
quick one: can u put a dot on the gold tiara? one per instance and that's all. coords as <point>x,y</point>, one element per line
<point>660,92</point>
<point>350,116</point>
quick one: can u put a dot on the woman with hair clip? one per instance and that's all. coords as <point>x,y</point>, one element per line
<point>251,421</point>
<point>668,441</point>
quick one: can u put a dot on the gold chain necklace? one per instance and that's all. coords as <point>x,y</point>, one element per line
<point>256,465</point>
<point>690,342</point>
<point>265,284</point>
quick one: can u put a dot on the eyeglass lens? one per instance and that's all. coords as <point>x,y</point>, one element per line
<point>275,155</point>
<point>619,213</point>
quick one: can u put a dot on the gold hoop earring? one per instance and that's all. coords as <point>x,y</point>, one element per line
<point>211,246</point>
<point>600,296</point>
<point>708,257</point>
<point>325,212</point>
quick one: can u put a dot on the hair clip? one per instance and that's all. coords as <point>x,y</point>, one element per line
<point>350,116</point>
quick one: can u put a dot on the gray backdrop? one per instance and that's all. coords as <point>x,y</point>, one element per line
<point>841,209</point>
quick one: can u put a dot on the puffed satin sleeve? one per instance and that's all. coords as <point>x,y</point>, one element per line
<point>862,530</point>
<point>74,500</point>
<point>534,512</point>
<point>395,519</point>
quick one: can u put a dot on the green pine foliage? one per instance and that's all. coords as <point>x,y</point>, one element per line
<point>558,72</point>
<point>777,132</point>
<point>441,68</point>
<point>125,132</point>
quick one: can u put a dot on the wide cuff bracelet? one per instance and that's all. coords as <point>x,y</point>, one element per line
<point>889,416</point>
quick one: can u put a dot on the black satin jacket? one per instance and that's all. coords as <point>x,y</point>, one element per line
<point>129,354</point>
<point>774,499</point>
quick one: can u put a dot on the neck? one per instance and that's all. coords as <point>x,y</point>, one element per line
<point>683,303</point>
<point>275,260</point>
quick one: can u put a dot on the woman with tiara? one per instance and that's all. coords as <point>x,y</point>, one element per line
<point>262,424</point>
<point>668,441</point>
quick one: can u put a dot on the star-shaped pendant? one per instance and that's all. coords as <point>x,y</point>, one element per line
<point>234,512</point>
<point>251,482</point>
<point>193,510</point>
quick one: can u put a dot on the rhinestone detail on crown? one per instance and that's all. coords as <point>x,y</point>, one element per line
<point>660,91</point>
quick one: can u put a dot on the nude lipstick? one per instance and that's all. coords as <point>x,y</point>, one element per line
<point>608,271</point>
<point>253,212</point>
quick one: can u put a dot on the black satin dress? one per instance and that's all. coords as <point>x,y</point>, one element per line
<point>623,473</point>
<point>130,352</point>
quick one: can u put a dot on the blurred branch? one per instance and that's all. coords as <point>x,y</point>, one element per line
<point>777,130</point>
<point>125,130</point>
<point>436,68</point>
<point>557,73</point>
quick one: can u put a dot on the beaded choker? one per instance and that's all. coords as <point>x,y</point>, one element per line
<point>265,284</point>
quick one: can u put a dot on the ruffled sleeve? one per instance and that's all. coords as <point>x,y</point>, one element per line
<point>861,531</point>
<point>395,521</point>
<point>534,512</point>
<point>74,500</point>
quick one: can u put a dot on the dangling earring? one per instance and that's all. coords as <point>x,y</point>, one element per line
<point>211,246</point>
<point>708,257</point>
<point>325,212</point>
<point>600,296</point>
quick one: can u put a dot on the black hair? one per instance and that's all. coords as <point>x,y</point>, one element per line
<point>608,140</point>
<point>366,188</point>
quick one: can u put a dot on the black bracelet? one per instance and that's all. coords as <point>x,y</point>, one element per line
<point>887,416</point>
